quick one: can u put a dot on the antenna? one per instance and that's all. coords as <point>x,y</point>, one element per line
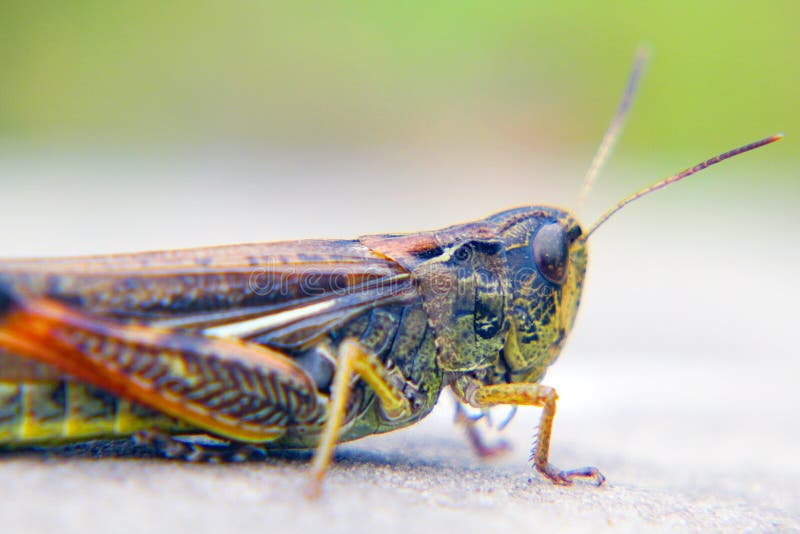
<point>680,176</point>
<point>615,127</point>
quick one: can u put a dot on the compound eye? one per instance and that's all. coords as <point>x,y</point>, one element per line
<point>550,252</point>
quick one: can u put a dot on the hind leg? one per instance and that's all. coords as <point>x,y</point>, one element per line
<point>173,448</point>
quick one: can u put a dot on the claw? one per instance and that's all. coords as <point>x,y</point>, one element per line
<point>565,478</point>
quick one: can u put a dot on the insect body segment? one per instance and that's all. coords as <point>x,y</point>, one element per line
<point>465,306</point>
<point>66,411</point>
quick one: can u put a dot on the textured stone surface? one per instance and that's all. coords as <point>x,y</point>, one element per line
<point>426,478</point>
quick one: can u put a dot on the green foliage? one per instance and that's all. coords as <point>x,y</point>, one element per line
<point>536,74</point>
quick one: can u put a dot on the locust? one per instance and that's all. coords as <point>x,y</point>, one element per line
<point>300,344</point>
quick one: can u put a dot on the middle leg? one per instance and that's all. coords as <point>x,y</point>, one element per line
<point>354,361</point>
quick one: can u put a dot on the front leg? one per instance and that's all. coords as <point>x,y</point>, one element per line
<point>545,397</point>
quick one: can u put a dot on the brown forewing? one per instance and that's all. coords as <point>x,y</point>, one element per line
<point>196,290</point>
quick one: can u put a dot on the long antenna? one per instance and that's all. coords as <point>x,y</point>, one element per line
<point>680,176</point>
<point>615,127</point>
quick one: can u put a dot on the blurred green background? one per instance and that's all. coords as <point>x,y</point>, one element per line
<point>541,75</point>
<point>191,123</point>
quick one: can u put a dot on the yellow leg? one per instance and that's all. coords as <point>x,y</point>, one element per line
<point>545,397</point>
<point>353,360</point>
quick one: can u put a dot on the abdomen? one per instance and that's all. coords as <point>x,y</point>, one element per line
<point>60,411</point>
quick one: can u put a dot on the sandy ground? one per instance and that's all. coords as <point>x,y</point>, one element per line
<point>679,382</point>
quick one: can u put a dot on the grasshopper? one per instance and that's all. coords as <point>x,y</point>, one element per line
<point>301,344</point>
